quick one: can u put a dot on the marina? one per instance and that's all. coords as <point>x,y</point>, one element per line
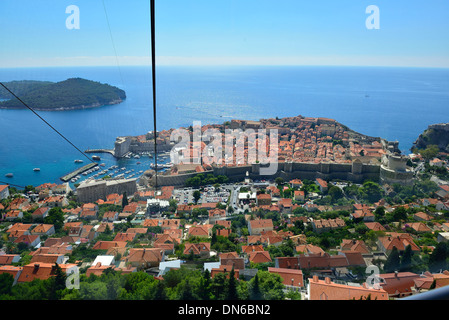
<point>132,166</point>
<point>77,172</point>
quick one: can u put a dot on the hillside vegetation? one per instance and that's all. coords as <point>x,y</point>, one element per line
<point>74,93</point>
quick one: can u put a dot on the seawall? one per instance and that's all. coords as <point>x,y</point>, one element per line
<point>356,172</point>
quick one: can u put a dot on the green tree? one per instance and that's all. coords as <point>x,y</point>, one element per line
<point>279,181</point>
<point>400,213</point>
<point>430,152</point>
<point>379,213</point>
<point>393,261</point>
<point>255,292</point>
<point>204,286</point>
<point>196,195</point>
<point>352,190</point>
<point>271,286</point>
<point>186,290</point>
<point>125,200</point>
<point>55,217</point>
<point>438,257</point>
<point>113,287</point>
<point>95,290</point>
<point>160,293</point>
<point>231,293</point>
<point>406,259</point>
<point>29,188</point>
<point>173,204</point>
<point>218,286</point>
<point>335,193</point>
<point>371,191</point>
<point>6,282</point>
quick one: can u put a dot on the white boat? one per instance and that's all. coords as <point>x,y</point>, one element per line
<point>36,169</point>
<point>79,161</point>
<point>9,175</point>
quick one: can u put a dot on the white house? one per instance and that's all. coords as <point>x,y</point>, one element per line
<point>105,260</point>
<point>4,192</point>
<point>443,237</point>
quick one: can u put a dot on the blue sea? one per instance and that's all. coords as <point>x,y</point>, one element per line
<point>392,103</point>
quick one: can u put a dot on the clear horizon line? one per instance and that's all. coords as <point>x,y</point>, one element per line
<point>161,61</point>
<point>227,65</point>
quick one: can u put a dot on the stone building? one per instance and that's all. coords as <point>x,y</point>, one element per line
<point>91,191</point>
<point>394,170</point>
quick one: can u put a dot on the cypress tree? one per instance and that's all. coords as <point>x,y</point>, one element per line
<point>406,260</point>
<point>255,293</point>
<point>393,261</point>
<point>437,260</point>
<point>57,283</point>
<point>204,292</point>
<point>231,293</point>
<point>125,200</point>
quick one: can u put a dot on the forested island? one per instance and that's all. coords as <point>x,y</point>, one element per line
<point>71,94</point>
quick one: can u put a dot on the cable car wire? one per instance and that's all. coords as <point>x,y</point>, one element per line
<point>48,124</point>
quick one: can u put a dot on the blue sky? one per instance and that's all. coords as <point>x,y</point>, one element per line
<point>223,32</point>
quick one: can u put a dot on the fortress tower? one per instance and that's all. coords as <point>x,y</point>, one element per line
<point>394,170</point>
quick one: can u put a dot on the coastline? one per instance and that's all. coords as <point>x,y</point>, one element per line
<point>82,107</point>
<point>203,95</point>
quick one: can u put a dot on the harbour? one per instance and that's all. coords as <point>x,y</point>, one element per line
<point>19,156</point>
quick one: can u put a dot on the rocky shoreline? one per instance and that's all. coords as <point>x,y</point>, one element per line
<point>435,134</point>
<point>82,107</point>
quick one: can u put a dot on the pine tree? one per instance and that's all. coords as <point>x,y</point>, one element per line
<point>186,291</point>
<point>160,293</point>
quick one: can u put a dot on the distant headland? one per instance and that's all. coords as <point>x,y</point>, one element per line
<point>434,135</point>
<point>71,94</point>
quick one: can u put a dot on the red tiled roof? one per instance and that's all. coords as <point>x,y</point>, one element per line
<point>105,245</point>
<point>328,290</point>
<point>197,248</point>
<point>290,277</point>
<point>41,271</point>
<point>259,256</point>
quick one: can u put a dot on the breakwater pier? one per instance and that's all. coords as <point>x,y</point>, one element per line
<point>78,171</point>
<point>100,151</point>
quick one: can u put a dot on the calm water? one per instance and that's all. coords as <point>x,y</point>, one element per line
<point>393,103</point>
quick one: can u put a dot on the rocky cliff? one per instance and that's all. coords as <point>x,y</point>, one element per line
<point>436,134</point>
